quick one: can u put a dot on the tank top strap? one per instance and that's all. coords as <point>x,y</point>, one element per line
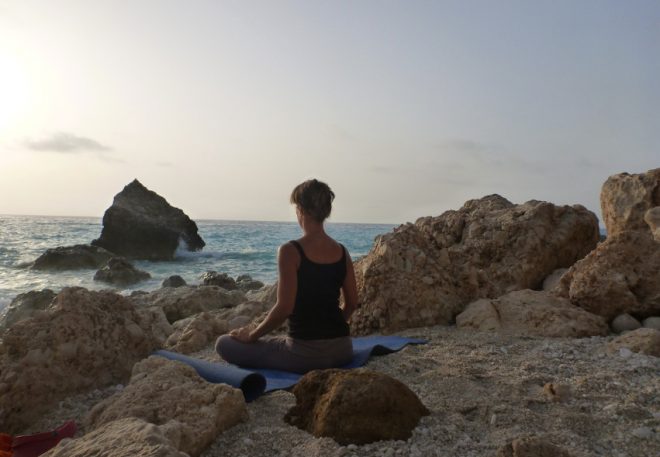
<point>300,249</point>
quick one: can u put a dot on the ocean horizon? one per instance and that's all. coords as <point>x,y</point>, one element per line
<point>234,247</point>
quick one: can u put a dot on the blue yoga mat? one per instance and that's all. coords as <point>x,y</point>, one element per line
<point>255,382</point>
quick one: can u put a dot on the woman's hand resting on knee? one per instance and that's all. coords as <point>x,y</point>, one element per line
<point>243,334</point>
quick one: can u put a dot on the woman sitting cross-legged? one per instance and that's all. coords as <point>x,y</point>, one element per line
<point>313,272</point>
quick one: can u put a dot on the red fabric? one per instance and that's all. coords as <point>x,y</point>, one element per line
<point>5,442</point>
<point>37,444</point>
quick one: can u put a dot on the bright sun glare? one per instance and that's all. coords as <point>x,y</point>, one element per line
<point>14,93</point>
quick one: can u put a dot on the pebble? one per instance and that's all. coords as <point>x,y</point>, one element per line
<point>625,353</point>
<point>642,433</point>
<point>351,447</point>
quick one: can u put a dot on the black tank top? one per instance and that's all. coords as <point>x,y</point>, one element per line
<point>316,314</point>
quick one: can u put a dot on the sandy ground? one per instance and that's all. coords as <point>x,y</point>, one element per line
<point>483,390</point>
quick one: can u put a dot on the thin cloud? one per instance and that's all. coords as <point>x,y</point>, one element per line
<point>465,154</point>
<point>67,143</point>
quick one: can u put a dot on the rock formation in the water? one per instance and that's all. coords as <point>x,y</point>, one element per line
<point>120,272</point>
<point>140,224</point>
<point>213,278</point>
<point>72,258</point>
<point>621,274</point>
<point>427,272</point>
<point>174,281</point>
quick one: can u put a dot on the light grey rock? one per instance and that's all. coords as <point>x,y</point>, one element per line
<point>624,323</point>
<point>652,322</point>
<point>642,433</point>
<point>553,278</point>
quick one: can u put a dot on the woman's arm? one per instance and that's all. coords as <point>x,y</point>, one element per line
<point>349,290</point>
<point>287,265</point>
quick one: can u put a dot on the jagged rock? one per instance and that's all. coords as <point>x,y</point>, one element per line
<point>531,313</point>
<point>120,272</point>
<point>195,333</point>
<point>72,258</point>
<point>652,322</point>
<point>625,322</point>
<point>652,218</point>
<point>181,302</point>
<point>552,280</point>
<point>619,276</point>
<point>425,273</point>
<point>625,198</point>
<point>355,407</point>
<point>213,278</point>
<point>267,294</point>
<point>140,224</point>
<point>245,283</point>
<point>531,447</point>
<point>171,394</point>
<point>642,340</point>
<point>174,281</point>
<point>124,437</point>
<point>24,305</point>
<point>84,340</point>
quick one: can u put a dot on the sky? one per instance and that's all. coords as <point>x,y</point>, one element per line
<point>405,108</point>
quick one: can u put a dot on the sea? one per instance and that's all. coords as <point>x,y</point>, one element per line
<point>232,247</point>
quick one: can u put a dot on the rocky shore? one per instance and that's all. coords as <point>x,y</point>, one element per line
<point>542,340</point>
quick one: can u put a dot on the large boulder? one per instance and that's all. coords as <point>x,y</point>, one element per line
<point>191,411</point>
<point>619,276</point>
<point>355,407</point>
<point>181,302</point>
<point>625,199</point>
<point>72,258</point>
<point>531,313</point>
<point>123,437</point>
<point>140,224</point>
<point>24,305</point>
<point>425,273</point>
<point>120,272</point>
<point>84,340</point>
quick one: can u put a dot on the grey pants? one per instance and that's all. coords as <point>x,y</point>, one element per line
<point>285,353</point>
